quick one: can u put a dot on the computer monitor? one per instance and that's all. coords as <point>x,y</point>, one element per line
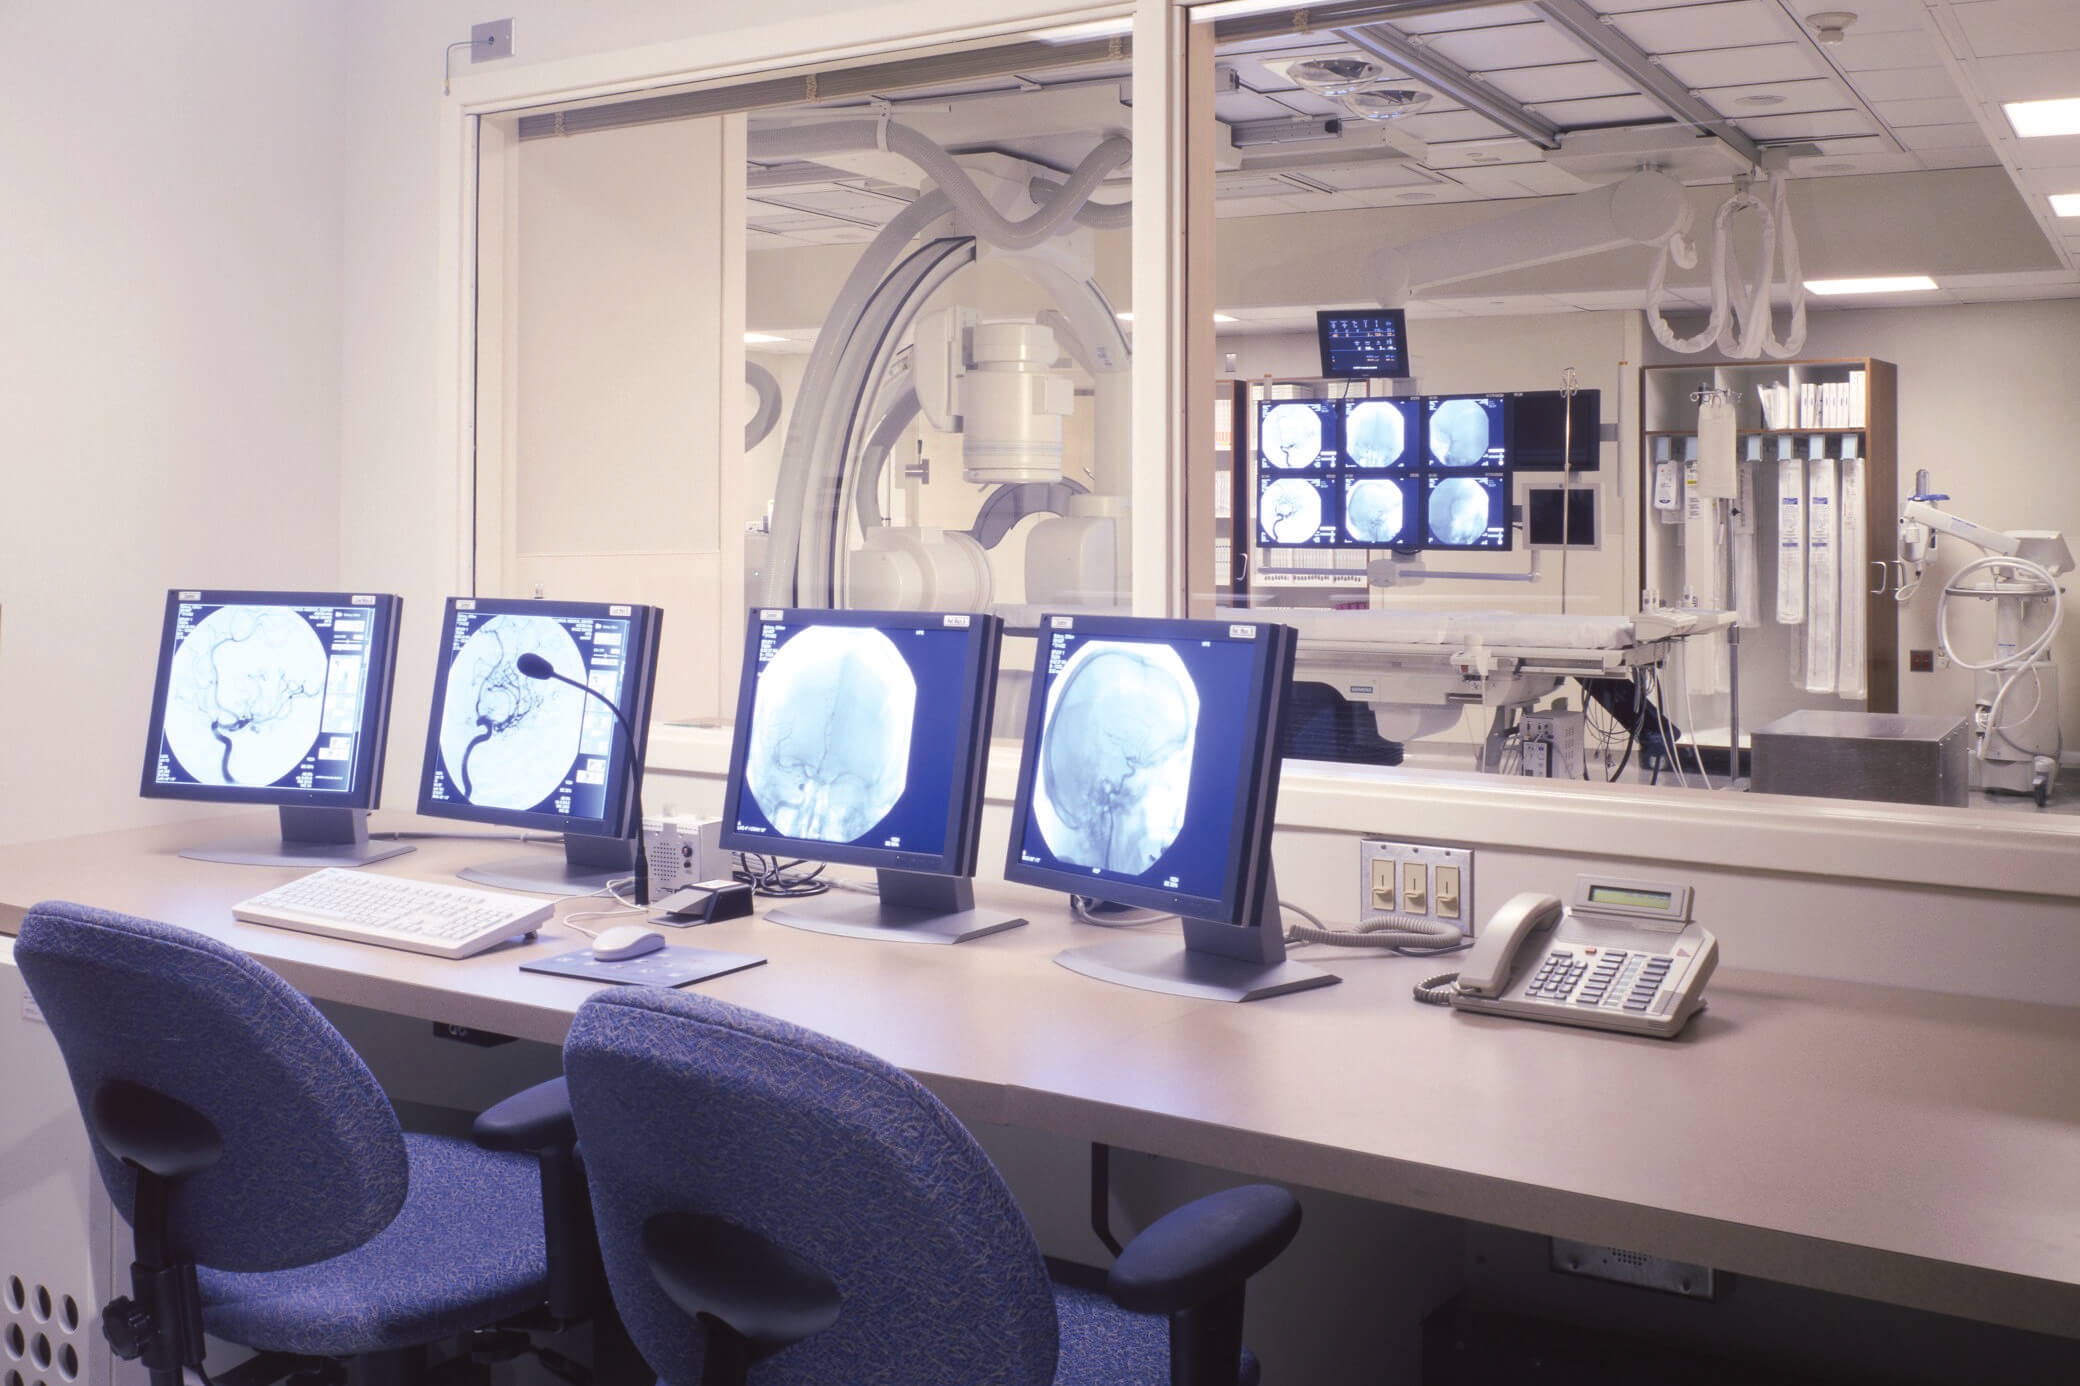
<point>1150,777</point>
<point>1553,430</point>
<point>276,698</point>
<point>1360,343</point>
<point>862,738</point>
<point>508,748</point>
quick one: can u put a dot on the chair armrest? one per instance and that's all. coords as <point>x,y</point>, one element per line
<point>530,1122</point>
<point>1194,1253</point>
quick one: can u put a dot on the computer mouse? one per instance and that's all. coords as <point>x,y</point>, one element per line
<point>625,941</point>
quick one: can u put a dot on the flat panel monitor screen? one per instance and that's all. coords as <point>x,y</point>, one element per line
<point>862,738</point>
<point>1150,768</point>
<point>1297,437</point>
<point>1359,343</point>
<point>505,748</point>
<point>1541,438</point>
<point>1466,512</point>
<point>1466,431</point>
<point>1382,512</point>
<point>1382,435</point>
<point>1298,511</point>
<point>277,698</point>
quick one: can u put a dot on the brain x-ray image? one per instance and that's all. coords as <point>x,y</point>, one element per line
<point>1289,511</point>
<point>1458,511</point>
<point>1375,434</point>
<point>1291,435</point>
<point>246,694</point>
<point>508,740</point>
<point>1372,512</point>
<point>1459,434</point>
<point>1116,756</point>
<point>829,751</point>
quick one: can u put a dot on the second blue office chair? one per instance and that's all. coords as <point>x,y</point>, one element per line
<point>275,1201</point>
<point>780,1208</point>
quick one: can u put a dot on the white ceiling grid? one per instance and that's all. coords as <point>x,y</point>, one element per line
<point>1913,86</point>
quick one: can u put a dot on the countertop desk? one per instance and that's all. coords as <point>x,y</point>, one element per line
<point>1906,1146</point>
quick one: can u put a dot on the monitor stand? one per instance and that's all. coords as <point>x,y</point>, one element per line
<point>583,868</point>
<point>1218,961</point>
<point>914,907</point>
<point>310,837</point>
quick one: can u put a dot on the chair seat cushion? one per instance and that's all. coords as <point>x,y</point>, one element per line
<point>464,1251</point>
<point>1105,1345</point>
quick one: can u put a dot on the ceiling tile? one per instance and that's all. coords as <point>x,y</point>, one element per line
<point>1874,52</point>
<point>2035,77</point>
<point>2008,27</point>
<point>1512,45</point>
<point>1981,157</point>
<point>1449,126</point>
<point>1468,19</point>
<point>1602,110</point>
<point>1943,137</point>
<point>1948,110</point>
<point>1561,82</point>
<point>1878,16</point>
<point>1905,84</point>
<point>1818,94</point>
<point>1726,67</point>
<point>1232,106</point>
<point>1732,23</point>
<point>1372,173</point>
<point>1810,125</point>
<point>2053,151</point>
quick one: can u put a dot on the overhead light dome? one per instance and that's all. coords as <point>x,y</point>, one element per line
<point>1336,76</point>
<point>1385,103</point>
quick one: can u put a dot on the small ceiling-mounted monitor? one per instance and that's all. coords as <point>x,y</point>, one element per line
<point>1363,343</point>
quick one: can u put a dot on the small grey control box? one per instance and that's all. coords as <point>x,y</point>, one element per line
<point>1885,756</point>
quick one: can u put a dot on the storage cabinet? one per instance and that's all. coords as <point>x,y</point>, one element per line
<point>1850,403</point>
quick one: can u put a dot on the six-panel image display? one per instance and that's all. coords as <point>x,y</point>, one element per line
<point>1429,472</point>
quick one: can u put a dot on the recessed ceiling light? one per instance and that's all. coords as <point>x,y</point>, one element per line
<point>1894,284</point>
<point>1235,9</point>
<point>1415,196</point>
<point>2035,119</point>
<point>1217,317</point>
<point>2066,204</point>
<point>1760,98</point>
<point>762,339</point>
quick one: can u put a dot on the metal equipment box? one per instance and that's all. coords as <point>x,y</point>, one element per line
<point>1888,756</point>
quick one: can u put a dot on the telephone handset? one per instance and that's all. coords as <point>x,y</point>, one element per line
<point>1626,956</point>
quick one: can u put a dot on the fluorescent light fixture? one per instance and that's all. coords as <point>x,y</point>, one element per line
<point>1895,284</point>
<point>1223,317</point>
<point>2035,119</point>
<point>1235,9</point>
<point>762,339</point>
<point>1217,317</point>
<point>2066,204</point>
<point>1090,29</point>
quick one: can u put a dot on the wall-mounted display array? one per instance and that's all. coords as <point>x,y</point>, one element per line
<point>1412,473</point>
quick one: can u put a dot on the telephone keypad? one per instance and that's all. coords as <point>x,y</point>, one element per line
<point>1609,978</point>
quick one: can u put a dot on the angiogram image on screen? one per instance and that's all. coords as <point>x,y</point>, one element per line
<point>1290,436</point>
<point>1460,433</point>
<point>829,750</point>
<point>1375,434</point>
<point>1372,512</point>
<point>507,740</point>
<point>1290,510</point>
<point>1460,510</point>
<point>1115,767</point>
<point>246,695</point>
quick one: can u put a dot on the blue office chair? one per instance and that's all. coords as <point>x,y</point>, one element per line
<point>776,1207</point>
<point>275,1201</point>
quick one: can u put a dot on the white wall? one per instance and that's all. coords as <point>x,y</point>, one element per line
<point>1987,405</point>
<point>170,371</point>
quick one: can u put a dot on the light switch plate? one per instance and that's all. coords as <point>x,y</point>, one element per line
<point>1385,868</point>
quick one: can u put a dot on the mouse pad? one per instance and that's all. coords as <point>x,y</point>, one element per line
<point>668,967</point>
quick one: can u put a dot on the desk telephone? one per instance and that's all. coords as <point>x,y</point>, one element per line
<point>1624,956</point>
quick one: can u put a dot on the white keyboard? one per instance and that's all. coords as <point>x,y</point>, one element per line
<point>421,917</point>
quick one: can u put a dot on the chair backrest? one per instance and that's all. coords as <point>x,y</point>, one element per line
<point>684,1103</point>
<point>313,1164</point>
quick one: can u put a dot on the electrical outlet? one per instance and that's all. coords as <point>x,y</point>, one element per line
<point>1416,879</point>
<point>1921,661</point>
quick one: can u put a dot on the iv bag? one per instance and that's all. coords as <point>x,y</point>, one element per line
<point>1850,681</point>
<point>1823,575</point>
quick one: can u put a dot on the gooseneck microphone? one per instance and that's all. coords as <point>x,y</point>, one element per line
<point>535,667</point>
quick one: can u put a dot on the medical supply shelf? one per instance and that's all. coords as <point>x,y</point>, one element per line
<point>1669,410</point>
